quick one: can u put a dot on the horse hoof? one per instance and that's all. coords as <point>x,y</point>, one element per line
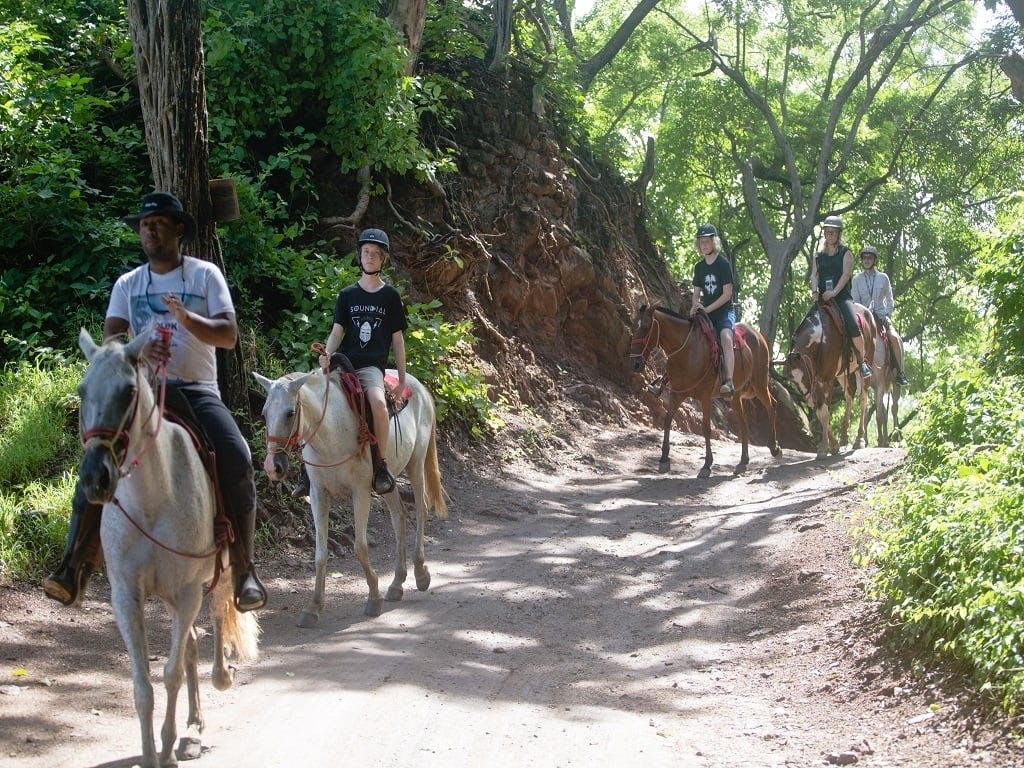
<point>664,467</point>
<point>308,619</point>
<point>373,607</point>
<point>821,456</point>
<point>705,473</point>
<point>189,748</point>
<point>423,580</point>
<point>395,593</point>
<point>776,451</point>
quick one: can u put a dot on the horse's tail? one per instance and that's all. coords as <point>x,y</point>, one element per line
<point>432,477</point>
<point>240,632</point>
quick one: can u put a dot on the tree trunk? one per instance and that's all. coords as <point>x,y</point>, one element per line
<point>168,45</point>
<point>615,43</point>
<point>407,17</point>
<point>501,38</point>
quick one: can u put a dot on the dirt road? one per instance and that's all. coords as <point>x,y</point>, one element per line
<point>592,614</point>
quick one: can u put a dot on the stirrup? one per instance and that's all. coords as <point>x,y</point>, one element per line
<point>383,480</point>
<point>250,595</point>
<point>865,371</point>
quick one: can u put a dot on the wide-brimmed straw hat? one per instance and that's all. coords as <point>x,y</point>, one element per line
<point>167,204</point>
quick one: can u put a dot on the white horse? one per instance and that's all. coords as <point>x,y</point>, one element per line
<point>308,410</point>
<point>158,537</point>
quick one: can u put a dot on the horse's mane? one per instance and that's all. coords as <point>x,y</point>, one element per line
<point>671,313</point>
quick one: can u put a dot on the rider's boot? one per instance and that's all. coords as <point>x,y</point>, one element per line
<point>83,553</point>
<point>657,387</point>
<point>901,377</point>
<point>250,594</point>
<point>383,480</point>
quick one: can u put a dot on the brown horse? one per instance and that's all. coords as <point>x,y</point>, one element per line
<point>818,357</point>
<point>691,372</point>
<point>887,389</point>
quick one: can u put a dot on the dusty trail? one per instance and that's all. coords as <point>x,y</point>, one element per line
<point>597,614</point>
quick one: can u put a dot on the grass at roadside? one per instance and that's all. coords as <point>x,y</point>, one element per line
<point>38,453</point>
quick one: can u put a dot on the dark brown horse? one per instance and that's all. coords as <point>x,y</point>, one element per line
<point>819,357</point>
<point>691,372</point>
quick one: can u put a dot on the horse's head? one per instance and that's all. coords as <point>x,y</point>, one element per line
<point>282,414</point>
<point>109,391</point>
<point>642,344</point>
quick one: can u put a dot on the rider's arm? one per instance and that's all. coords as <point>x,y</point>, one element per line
<point>332,344</point>
<point>886,299</point>
<point>398,347</point>
<point>695,301</point>
<point>814,279</point>
<point>847,272</point>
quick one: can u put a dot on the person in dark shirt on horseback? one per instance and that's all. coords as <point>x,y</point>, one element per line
<point>369,323</point>
<point>713,288</point>
<point>831,272</point>
<point>188,300</point>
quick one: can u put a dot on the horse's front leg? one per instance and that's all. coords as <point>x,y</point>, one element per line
<point>828,440</point>
<point>741,416</point>
<point>128,614</point>
<point>665,464</point>
<point>396,507</point>
<point>361,515</point>
<point>862,424</point>
<point>191,745</point>
<point>184,616</point>
<point>705,407</point>
<point>320,502</point>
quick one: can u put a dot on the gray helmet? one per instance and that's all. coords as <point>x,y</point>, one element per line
<point>832,221</point>
<point>707,230</point>
<point>869,250</point>
<point>378,236</point>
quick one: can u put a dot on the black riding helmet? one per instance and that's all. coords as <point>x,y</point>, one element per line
<point>375,236</point>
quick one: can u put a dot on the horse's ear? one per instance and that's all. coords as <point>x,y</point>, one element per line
<point>296,384</point>
<point>263,381</point>
<point>86,344</point>
<point>133,349</point>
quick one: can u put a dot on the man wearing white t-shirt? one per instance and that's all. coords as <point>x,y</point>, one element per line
<point>188,299</point>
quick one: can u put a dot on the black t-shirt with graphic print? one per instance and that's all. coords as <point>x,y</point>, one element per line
<point>712,279</point>
<point>368,319</point>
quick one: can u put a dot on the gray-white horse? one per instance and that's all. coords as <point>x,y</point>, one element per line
<point>309,411</point>
<point>158,537</point>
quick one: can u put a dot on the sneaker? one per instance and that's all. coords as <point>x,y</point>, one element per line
<point>251,595</point>
<point>383,480</point>
<point>655,389</point>
<point>901,379</point>
<point>727,388</point>
<point>865,371</point>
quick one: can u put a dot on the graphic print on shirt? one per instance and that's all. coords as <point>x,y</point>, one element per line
<point>366,328</point>
<point>710,285</point>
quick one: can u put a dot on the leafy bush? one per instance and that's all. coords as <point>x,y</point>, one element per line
<point>1000,277</point>
<point>948,539</point>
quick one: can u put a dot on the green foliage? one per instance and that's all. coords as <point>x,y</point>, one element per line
<point>440,354</point>
<point>63,139</point>
<point>946,540</point>
<point>283,75</point>
<point>1002,283</point>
